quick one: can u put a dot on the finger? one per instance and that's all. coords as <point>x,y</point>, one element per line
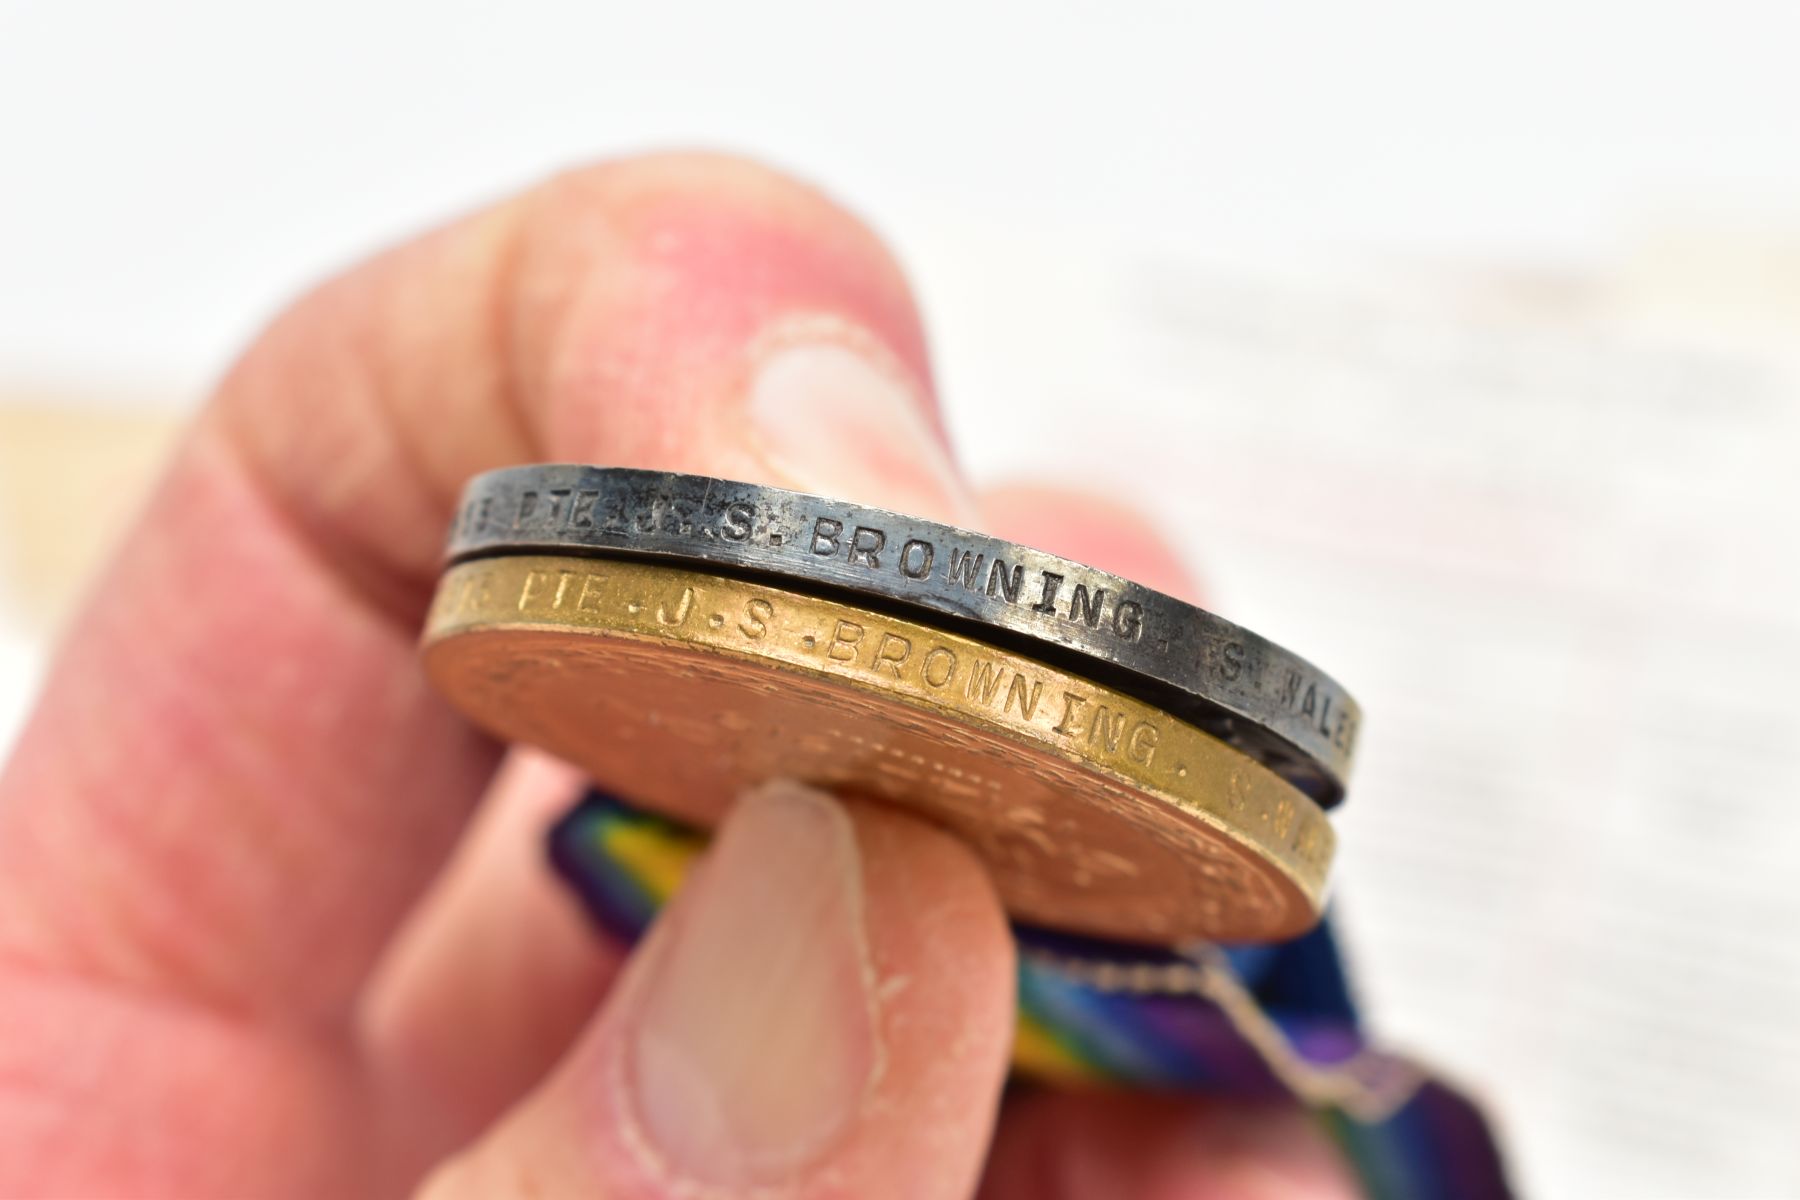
<point>1124,1146</point>
<point>825,1009</point>
<point>497,970</point>
<point>237,780</point>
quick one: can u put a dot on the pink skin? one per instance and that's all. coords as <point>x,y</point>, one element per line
<point>237,789</point>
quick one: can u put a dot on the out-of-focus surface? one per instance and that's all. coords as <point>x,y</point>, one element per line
<point>1461,356</point>
<point>71,472</point>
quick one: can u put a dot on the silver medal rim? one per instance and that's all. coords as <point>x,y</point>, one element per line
<point>1232,683</point>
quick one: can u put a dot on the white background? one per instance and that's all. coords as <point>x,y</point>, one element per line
<point>1566,863</point>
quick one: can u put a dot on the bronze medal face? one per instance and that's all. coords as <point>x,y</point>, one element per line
<point>678,689</point>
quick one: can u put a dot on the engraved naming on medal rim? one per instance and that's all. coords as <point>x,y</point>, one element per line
<point>867,546</point>
<point>1224,679</point>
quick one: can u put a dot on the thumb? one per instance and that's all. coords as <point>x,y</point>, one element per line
<point>826,1009</point>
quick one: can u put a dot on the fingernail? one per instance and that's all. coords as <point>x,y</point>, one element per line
<point>835,414</point>
<point>756,1037</point>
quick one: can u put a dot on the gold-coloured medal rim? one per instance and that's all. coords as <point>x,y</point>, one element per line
<point>848,644</point>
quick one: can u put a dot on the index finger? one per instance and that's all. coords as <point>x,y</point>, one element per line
<point>236,780</point>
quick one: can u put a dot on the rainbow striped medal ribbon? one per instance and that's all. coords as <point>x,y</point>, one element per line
<point>1258,1022</point>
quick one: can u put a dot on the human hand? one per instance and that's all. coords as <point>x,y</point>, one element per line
<point>233,959</point>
